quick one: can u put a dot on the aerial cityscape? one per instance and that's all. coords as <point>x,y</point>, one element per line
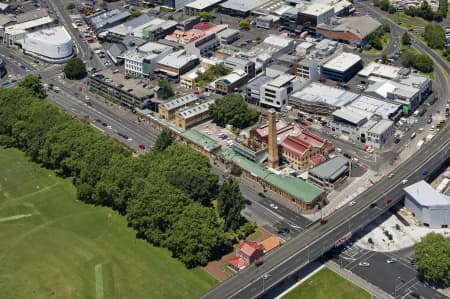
<point>224,149</point>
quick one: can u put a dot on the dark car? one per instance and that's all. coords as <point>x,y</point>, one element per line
<point>262,194</point>
<point>397,141</point>
<point>142,146</point>
<point>104,124</point>
<point>373,205</point>
<point>247,202</point>
<point>425,172</point>
<point>259,263</point>
<point>323,221</point>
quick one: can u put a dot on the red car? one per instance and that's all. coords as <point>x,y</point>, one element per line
<point>259,263</point>
<point>323,221</point>
<point>410,30</point>
<point>388,200</point>
<point>142,146</point>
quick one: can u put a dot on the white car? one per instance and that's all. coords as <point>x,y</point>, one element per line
<point>87,98</point>
<point>351,204</point>
<point>273,206</point>
<point>405,181</point>
<point>391,260</point>
<point>420,129</point>
<point>364,264</point>
<point>391,175</point>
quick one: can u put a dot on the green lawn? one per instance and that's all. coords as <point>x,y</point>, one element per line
<point>53,246</point>
<point>326,284</point>
<point>402,15</point>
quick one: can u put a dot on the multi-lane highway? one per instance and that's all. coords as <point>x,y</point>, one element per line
<point>318,239</point>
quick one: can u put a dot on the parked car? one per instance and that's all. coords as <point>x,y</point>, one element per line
<point>142,146</point>
<point>323,221</point>
<point>388,200</point>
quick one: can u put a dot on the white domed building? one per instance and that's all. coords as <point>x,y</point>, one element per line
<point>53,45</point>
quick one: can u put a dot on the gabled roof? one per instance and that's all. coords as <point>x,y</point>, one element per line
<point>295,146</point>
<point>238,263</point>
<point>270,243</point>
<point>249,248</point>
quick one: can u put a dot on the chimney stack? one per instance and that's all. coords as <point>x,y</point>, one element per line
<point>273,146</point>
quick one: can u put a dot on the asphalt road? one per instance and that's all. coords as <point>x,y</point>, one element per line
<point>399,279</point>
<point>318,239</point>
<point>82,45</point>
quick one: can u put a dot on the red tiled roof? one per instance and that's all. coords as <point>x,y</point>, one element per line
<point>294,146</point>
<point>316,160</point>
<point>238,263</point>
<point>312,139</point>
<point>248,248</point>
<point>330,148</point>
<point>263,130</point>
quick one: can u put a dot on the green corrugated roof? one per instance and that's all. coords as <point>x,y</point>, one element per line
<point>295,187</point>
<point>198,138</point>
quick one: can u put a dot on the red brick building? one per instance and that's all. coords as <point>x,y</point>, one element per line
<point>246,254</point>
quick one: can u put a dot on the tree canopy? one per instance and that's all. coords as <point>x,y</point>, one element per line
<point>166,194</point>
<point>164,140</point>
<point>230,204</point>
<point>211,74</point>
<point>423,63</point>
<point>167,89</point>
<point>70,6</point>
<point>33,84</point>
<point>433,259</point>
<point>204,15</point>
<point>232,109</point>
<point>244,23</point>
<point>75,69</point>
<point>435,36</point>
<point>406,39</point>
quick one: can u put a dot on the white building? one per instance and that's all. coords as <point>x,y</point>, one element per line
<point>429,206</point>
<point>315,13</point>
<point>142,61</point>
<point>380,133</point>
<point>17,32</point>
<point>275,93</point>
<point>52,45</point>
<point>271,48</point>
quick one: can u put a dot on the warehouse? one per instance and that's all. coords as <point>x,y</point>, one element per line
<point>239,8</point>
<point>330,174</point>
<point>167,110</point>
<point>342,68</point>
<point>352,30</point>
<point>317,98</point>
<point>429,206</point>
<point>106,19</point>
<point>186,118</point>
<point>53,45</point>
<point>194,8</point>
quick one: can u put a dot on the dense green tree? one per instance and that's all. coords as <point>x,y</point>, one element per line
<point>435,36</point>
<point>232,109</point>
<point>423,63</point>
<point>230,204</point>
<point>70,6</point>
<point>204,15</point>
<point>211,74</point>
<point>33,84</point>
<point>167,89</point>
<point>197,237</point>
<point>136,13</point>
<point>244,23</point>
<point>374,39</point>
<point>407,57</point>
<point>433,259</point>
<point>406,39</point>
<point>75,69</point>
<point>164,140</point>
<point>201,186</point>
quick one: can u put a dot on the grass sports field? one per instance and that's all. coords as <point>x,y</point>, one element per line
<point>52,246</point>
<point>326,284</point>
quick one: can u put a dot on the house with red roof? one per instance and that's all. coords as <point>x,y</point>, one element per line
<point>246,254</point>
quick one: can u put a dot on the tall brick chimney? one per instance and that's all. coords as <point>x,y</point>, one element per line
<point>273,146</point>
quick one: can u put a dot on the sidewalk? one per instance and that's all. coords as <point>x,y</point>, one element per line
<point>375,291</point>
